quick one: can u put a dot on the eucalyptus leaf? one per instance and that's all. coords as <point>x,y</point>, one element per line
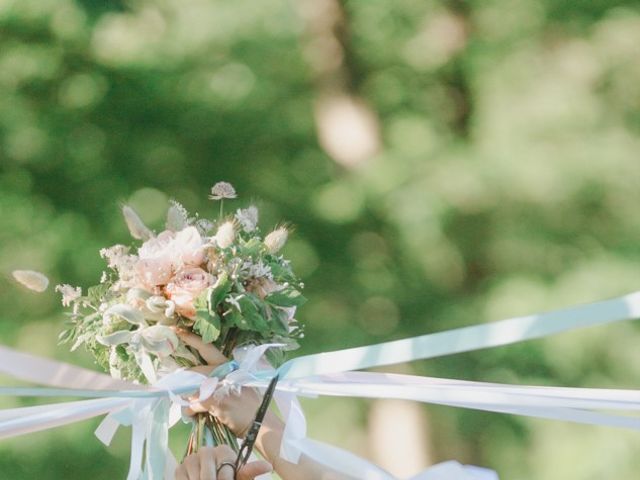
<point>116,338</point>
<point>124,312</point>
<point>159,339</point>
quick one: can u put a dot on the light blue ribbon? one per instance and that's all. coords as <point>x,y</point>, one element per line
<point>464,339</point>
<point>423,347</point>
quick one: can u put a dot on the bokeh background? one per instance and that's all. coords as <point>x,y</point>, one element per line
<point>444,163</point>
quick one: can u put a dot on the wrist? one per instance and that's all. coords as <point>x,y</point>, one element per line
<point>270,437</point>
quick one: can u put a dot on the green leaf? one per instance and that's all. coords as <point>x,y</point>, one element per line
<point>287,297</point>
<point>219,291</point>
<point>279,320</point>
<point>121,351</point>
<point>234,318</point>
<point>207,326</point>
<point>253,312</point>
<point>251,247</point>
<point>275,357</point>
<point>280,272</point>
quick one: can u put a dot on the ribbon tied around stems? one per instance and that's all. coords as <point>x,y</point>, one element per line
<point>150,420</point>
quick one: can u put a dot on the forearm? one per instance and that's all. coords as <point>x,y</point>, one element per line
<point>268,443</point>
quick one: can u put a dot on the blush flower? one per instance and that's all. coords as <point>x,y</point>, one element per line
<point>188,247</point>
<point>155,264</point>
<point>185,286</point>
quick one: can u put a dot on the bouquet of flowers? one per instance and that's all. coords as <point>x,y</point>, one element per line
<point>219,279</point>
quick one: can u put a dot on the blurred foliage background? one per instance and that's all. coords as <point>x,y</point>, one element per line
<point>444,163</point>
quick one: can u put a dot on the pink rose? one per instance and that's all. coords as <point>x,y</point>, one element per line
<point>185,286</point>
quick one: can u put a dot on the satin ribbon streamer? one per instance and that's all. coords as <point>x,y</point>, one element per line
<point>152,410</point>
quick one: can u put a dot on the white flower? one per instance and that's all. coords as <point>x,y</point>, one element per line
<point>118,258</point>
<point>115,255</point>
<point>157,247</point>
<point>248,218</point>
<point>69,294</point>
<point>225,235</point>
<point>35,281</point>
<point>177,217</point>
<point>276,240</point>
<point>136,226</point>
<point>222,190</point>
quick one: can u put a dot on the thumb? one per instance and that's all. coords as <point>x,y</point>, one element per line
<point>253,469</point>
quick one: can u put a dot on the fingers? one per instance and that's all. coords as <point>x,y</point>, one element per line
<point>196,406</point>
<point>210,463</point>
<point>253,469</point>
<point>181,473</point>
<point>225,461</point>
<point>207,457</point>
<point>191,466</point>
<point>193,408</point>
<point>209,353</point>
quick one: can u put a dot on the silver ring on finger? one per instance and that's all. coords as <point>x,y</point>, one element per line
<point>226,464</point>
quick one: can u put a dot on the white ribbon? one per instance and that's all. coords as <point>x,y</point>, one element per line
<point>151,411</point>
<point>150,420</point>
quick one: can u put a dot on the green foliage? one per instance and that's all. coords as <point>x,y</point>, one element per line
<point>219,291</point>
<point>207,325</point>
<point>287,297</point>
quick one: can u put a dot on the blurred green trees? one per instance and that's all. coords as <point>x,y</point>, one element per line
<point>444,163</point>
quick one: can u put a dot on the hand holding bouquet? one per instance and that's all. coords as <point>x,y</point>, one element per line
<point>218,279</point>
